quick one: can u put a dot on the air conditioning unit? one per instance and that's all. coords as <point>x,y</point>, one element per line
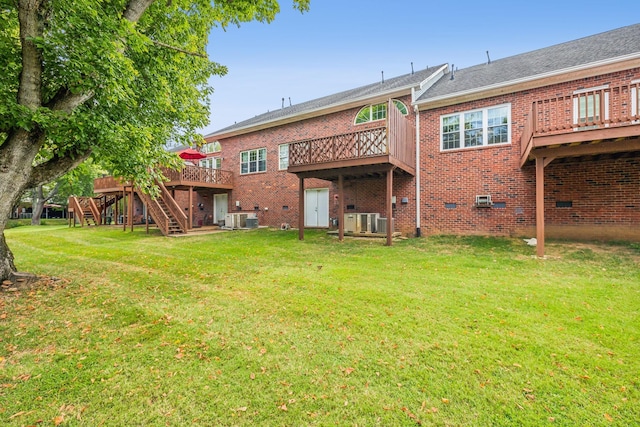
<point>368,222</point>
<point>381,225</point>
<point>237,220</point>
<point>350,223</point>
<point>360,222</point>
<point>484,201</point>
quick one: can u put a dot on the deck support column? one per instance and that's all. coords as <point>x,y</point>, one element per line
<point>541,162</point>
<point>389,206</point>
<point>132,198</point>
<point>340,208</point>
<point>115,216</point>
<point>301,209</point>
<point>190,225</point>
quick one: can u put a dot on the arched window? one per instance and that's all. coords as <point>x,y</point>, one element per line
<point>371,113</point>
<point>211,147</point>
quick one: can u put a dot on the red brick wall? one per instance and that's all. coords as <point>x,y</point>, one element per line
<point>603,191</point>
<point>276,189</point>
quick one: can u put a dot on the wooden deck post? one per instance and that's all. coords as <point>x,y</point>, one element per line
<point>301,209</point>
<point>340,208</point>
<point>125,208</point>
<point>389,206</point>
<point>132,197</point>
<point>115,217</point>
<point>190,225</point>
<point>541,162</point>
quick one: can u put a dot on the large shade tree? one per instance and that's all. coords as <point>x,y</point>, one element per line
<point>112,79</point>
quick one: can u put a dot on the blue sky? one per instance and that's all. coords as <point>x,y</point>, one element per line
<point>343,44</point>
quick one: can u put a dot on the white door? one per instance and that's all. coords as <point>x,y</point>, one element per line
<point>316,207</point>
<point>220,207</point>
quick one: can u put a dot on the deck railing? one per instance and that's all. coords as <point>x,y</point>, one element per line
<point>396,139</point>
<point>200,175</point>
<point>188,174</point>
<point>108,182</point>
<point>605,107</point>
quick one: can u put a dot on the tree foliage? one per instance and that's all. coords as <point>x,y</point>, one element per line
<point>112,79</point>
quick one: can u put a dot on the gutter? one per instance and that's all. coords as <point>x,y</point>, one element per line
<point>418,202</point>
<point>527,79</point>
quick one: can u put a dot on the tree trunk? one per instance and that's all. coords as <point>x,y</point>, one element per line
<point>38,201</point>
<point>7,267</point>
<point>37,205</point>
<point>16,158</point>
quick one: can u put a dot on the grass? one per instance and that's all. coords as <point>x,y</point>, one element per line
<point>258,328</point>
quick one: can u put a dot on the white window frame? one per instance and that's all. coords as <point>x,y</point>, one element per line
<point>635,100</point>
<point>283,157</point>
<point>380,111</point>
<point>260,158</point>
<point>211,163</point>
<point>211,147</point>
<point>484,129</point>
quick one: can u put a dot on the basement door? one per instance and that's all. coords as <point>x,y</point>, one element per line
<point>316,207</point>
<point>220,207</point>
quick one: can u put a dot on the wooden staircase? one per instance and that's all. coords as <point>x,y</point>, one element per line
<point>85,210</point>
<point>165,211</point>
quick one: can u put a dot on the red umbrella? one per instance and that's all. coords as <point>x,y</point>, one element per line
<point>191,154</point>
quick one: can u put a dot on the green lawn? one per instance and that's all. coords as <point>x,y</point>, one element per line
<point>258,328</point>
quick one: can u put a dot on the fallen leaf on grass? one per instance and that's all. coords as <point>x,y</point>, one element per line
<point>411,415</point>
<point>348,371</point>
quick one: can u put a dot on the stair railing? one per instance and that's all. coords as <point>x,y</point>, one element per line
<point>76,208</point>
<point>176,212</point>
<point>157,213</point>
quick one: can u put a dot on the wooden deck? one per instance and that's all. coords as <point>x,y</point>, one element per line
<point>603,121</point>
<point>371,151</point>
<point>189,176</point>
<point>610,123</point>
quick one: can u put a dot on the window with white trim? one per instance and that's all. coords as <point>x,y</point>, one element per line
<point>211,147</point>
<point>253,161</point>
<point>476,128</point>
<point>283,156</point>
<point>635,98</point>
<point>211,163</point>
<point>371,113</point>
<point>588,105</point>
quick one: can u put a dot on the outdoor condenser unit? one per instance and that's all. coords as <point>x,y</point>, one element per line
<point>235,220</point>
<point>368,222</point>
<point>360,222</point>
<point>381,225</point>
<point>350,222</point>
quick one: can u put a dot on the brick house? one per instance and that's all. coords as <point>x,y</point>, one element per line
<point>541,143</point>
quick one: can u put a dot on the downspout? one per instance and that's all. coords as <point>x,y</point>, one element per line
<point>417,111</point>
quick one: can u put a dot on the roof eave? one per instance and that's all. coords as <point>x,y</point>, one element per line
<point>315,112</point>
<point>558,76</point>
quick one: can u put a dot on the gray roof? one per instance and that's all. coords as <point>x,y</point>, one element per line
<point>588,50</point>
<point>406,81</point>
<point>581,52</point>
